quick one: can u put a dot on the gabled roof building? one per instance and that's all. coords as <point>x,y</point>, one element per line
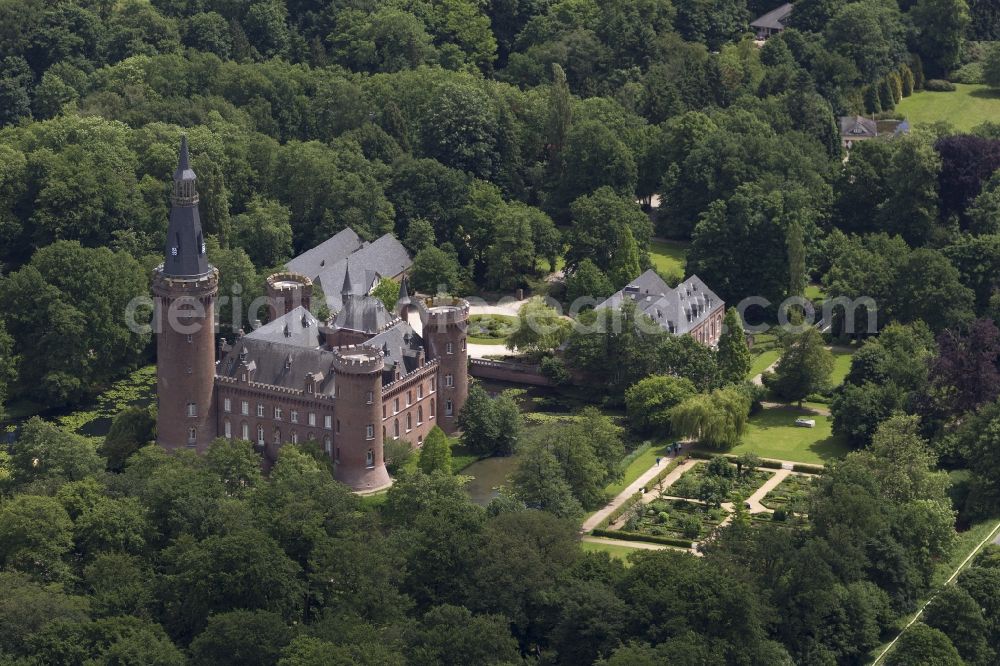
<point>690,308</point>
<point>348,383</point>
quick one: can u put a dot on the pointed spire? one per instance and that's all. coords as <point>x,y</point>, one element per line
<point>185,248</point>
<point>348,288</point>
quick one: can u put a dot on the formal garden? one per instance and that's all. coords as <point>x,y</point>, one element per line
<point>718,481</point>
<point>491,329</point>
<point>675,519</point>
<point>791,495</point>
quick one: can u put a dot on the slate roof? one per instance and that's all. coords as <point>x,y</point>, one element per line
<point>675,310</point>
<point>854,127</point>
<point>298,328</point>
<point>363,313</point>
<point>774,19</point>
<point>184,253</point>
<point>279,364</point>
<point>401,345</point>
<point>334,249</point>
<point>384,257</point>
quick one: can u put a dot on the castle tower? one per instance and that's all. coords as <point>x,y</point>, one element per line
<point>287,291</point>
<point>184,289</point>
<point>446,321</point>
<point>357,440</point>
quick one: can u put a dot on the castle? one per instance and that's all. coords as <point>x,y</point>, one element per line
<point>350,383</point>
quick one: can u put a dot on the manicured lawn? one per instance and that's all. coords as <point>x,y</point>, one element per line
<point>490,329</point>
<point>668,256</point>
<point>814,292</point>
<point>642,462</point>
<point>841,364</point>
<point>612,549</point>
<point>772,433</point>
<point>763,361</point>
<point>965,108</point>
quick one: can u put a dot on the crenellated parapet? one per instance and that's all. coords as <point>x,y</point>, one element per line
<point>358,360</point>
<point>286,291</point>
<point>442,312</point>
<point>174,287</point>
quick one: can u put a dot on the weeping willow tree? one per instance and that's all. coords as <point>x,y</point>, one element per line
<point>717,419</point>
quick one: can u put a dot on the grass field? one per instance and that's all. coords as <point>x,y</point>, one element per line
<point>965,108</point>
<point>612,549</point>
<point>668,256</point>
<point>642,462</point>
<point>762,362</point>
<point>772,433</point>
<point>841,365</point>
<point>814,292</point>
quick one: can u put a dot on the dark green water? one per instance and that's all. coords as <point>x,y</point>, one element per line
<point>488,475</point>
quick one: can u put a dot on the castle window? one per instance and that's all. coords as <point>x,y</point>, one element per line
<point>420,391</point>
<point>409,398</point>
<point>338,427</point>
<point>312,419</point>
<point>383,411</point>
<point>369,397</point>
<point>293,416</point>
<point>327,444</point>
<point>245,409</point>
<point>190,370</point>
<point>433,384</point>
<point>228,429</point>
<point>432,407</point>
<point>383,433</point>
<point>448,348</point>
<point>260,435</point>
<point>277,413</point>
<point>227,405</point>
<point>395,428</point>
<point>449,408</point>
<point>449,381</point>
<point>190,338</point>
<point>463,344</point>
<point>295,437</point>
<point>327,421</point>
<point>395,406</point>
<point>336,458</point>
<point>245,431</point>
<point>192,409</point>
<point>260,410</point>
<point>409,422</point>
<point>370,458</point>
<point>311,437</point>
<point>277,437</point>
<point>243,377</point>
<point>420,415</point>
<point>370,431</point>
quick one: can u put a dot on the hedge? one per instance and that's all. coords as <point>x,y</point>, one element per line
<point>703,455</point>
<point>808,469</point>
<point>635,536</point>
<point>939,85</point>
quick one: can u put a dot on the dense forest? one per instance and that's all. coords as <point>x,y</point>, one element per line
<point>497,139</point>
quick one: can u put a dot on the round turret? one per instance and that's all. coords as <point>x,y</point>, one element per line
<point>358,440</point>
<point>445,323</point>
<point>287,291</point>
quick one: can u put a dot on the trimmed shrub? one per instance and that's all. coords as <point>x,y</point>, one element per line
<point>635,536</point>
<point>939,85</point>
<point>807,469</point>
<point>779,515</point>
<point>906,78</point>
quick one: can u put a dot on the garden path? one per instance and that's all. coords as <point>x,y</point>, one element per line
<point>595,518</point>
<point>769,485</point>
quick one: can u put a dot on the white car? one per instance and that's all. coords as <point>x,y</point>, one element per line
<point>805,423</point>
